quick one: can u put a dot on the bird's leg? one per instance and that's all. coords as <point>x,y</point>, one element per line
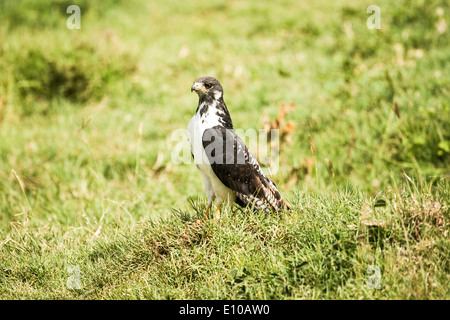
<point>208,207</point>
<point>219,205</point>
<point>211,198</point>
<point>206,215</point>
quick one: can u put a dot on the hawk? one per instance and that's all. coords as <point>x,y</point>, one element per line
<point>228,168</point>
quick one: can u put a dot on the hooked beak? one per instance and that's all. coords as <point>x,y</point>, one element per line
<point>197,87</point>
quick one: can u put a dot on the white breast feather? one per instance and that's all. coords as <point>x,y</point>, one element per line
<point>196,128</point>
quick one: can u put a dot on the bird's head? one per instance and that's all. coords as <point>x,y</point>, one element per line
<point>208,87</point>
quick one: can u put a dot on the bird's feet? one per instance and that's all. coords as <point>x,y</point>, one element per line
<point>206,215</point>
<point>217,216</point>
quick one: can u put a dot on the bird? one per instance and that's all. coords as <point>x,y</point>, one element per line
<point>228,168</point>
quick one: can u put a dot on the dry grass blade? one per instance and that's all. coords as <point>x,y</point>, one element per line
<point>312,147</point>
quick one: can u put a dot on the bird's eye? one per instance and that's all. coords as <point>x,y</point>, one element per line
<point>208,86</point>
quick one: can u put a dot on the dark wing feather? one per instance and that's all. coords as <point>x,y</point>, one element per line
<point>238,170</point>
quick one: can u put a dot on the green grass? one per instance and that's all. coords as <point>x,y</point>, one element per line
<point>87,180</point>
